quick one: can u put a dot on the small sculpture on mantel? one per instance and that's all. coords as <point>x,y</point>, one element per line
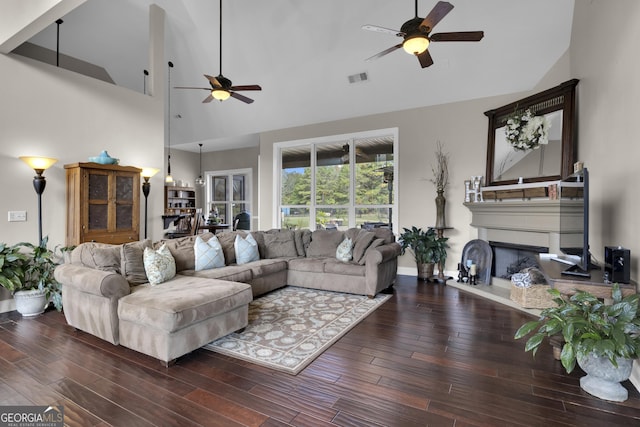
<point>472,188</point>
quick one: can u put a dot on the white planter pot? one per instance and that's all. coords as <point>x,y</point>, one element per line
<point>30,303</point>
<point>603,379</point>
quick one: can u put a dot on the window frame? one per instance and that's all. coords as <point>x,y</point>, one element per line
<point>351,138</point>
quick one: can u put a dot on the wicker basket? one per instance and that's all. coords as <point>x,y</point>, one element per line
<point>535,296</point>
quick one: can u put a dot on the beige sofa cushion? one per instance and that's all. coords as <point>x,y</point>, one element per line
<point>132,262</point>
<point>182,250</point>
<point>169,308</point>
<point>281,244</point>
<point>324,243</point>
<point>101,256</point>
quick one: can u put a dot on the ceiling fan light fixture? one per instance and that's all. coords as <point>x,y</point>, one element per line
<point>415,44</point>
<point>220,94</point>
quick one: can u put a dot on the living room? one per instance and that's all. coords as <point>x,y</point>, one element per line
<point>53,112</point>
<point>605,80</point>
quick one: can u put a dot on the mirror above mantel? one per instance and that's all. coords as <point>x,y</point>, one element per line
<point>551,161</point>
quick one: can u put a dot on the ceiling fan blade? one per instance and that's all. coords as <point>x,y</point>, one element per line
<point>378,29</point>
<point>425,59</point>
<point>213,80</point>
<point>246,87</point>
<point>208,99</point>
<point>460,36</point>
<point>439,11</point>
<point>384,52</point>
<point>241,98</point>
<point>188,87</point>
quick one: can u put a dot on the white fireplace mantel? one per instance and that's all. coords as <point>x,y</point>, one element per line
<point>534,222</point>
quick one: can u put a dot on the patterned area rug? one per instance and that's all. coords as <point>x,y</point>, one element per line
<point>289,327</point>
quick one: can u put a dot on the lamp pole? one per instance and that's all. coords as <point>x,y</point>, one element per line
<point>39,165</point>
<point>146,174</point>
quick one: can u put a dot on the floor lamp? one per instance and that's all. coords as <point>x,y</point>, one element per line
<point>146,187</point>
<point>39,165</point>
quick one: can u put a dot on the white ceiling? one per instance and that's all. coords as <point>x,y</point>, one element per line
<point>301,52</point>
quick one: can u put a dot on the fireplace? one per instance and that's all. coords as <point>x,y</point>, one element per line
<point>509,258</point>
<point>517,230</point>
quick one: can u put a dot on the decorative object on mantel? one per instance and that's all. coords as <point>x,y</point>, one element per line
<point>473,188</point>
<point>104,159</point>
<point>526,131</point>
<point>603,339</point>
<point>440,180</point>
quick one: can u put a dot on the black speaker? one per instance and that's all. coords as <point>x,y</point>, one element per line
<point>617,263</point>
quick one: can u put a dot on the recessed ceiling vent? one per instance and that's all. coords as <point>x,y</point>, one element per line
<point>357,78</point>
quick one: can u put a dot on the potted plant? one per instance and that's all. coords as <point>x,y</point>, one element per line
<point>427,249</point>
<point>596,335</point>
<point>26,270</point>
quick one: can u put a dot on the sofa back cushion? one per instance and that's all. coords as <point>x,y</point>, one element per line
<point>182,250</point>
<point>324,243</point>
<point>101,256</point>
<point>132,262</point>
<point>302,239</point>
<point>227,239</point>
<point>280,244</point>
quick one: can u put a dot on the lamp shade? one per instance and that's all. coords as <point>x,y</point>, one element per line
<point>38,163</point>
<point>220,94</point>
<point>149,172</point>
<point>416,44</point>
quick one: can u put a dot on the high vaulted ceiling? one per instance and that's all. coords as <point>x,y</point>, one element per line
<point>302,51</point>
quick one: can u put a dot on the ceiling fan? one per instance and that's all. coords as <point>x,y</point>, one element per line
<point>416,33</point>
<point>221,87</point>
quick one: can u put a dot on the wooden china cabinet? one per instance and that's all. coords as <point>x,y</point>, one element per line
<point>103,203</point>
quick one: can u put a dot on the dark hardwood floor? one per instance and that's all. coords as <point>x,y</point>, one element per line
<point>431,355</point>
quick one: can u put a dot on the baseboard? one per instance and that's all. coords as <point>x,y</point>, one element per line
<point>7,305</point>
<point>635,375</point>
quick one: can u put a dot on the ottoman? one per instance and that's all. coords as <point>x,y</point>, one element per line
<point>171,319</point>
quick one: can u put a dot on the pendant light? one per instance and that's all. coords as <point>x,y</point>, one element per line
<point>199,180</point>
<point>169,179</point>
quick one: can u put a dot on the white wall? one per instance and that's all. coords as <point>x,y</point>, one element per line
<point>604,56</point>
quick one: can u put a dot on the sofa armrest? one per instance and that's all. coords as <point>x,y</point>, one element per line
<point>383,253</point>
<point>106,284</point>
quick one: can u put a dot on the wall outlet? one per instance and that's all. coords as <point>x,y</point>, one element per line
<point>15,216</point>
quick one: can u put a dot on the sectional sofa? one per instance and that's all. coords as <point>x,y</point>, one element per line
<point>106,289</point>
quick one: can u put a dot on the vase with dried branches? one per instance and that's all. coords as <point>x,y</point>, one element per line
<point>440,180</point>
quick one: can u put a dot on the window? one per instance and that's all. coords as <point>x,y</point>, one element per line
<point>337,182</point>
<point>229,192</point>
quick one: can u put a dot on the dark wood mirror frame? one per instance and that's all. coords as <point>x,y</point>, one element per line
<point>561,97</point>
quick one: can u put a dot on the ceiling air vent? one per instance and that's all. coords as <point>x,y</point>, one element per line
<point>356,78</point>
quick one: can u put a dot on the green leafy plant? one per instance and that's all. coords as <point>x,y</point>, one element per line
<point>25,266</point>
<point>427,248</point>
<point>588,325</point>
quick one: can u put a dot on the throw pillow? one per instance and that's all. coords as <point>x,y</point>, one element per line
<point>372,246</point>
<point>132,264</point>
<point>280,245</point>
<point>159,265</point>
<point>344,252</point>
<point>246,249</point>
<point>208,254</point>
<point>361,244</point>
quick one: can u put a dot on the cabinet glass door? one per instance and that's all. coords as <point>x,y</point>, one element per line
<point>98,201</point>
<point>124,202</point>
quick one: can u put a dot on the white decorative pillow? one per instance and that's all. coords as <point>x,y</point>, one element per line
<point>344,252</point>
<point>159,264</point>
<point>208,254</point>
<point>246,249</point>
